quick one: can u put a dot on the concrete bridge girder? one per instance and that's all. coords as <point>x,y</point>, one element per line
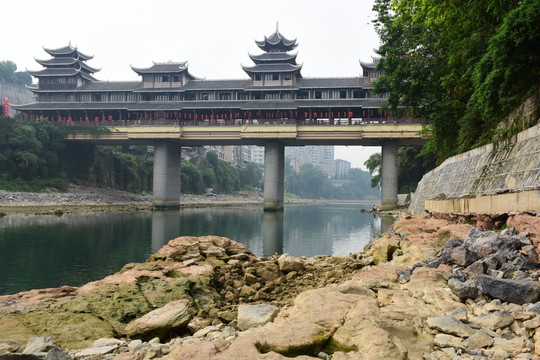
<point>167,141</point>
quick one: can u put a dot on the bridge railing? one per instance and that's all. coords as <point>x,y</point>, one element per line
<point>237,122</point>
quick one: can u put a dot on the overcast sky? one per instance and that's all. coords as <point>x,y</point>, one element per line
<point>214,36</point>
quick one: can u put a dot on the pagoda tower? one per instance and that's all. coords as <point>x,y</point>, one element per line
<point>276,66</point>
<point>65,70</point>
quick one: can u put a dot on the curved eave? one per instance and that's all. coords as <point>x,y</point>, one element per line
<point>277,48</point>
<point>154,69</point>
<point>370,65</point>
<point>85,56</point>
<point>68,50</point>
<point>56,62</point>
<point>266,58</point>
<point>193,77</point>
<point>276,40</point>
<point>42,73</point>
<point>88,77</point>
<point>65,50</point>
<point>33,88</point>
<point>271,69</point>
<point>89,68</point>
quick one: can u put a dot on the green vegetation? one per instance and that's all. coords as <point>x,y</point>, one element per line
<point>412,165</point>
<point>29,151</point>
<point>211,172</point>
<point>465,65</point>
<point>9,74</point>
<point>36,185</point>
<point>34,157</point>
<point>312,183</point>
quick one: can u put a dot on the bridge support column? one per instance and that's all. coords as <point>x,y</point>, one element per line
<point>167,160</point>
<point>389,175</point>
<point>274,175</point>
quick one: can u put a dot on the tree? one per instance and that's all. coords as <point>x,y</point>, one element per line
<point>465,65</point>
<point>209,178</point>
<point>251,176</point>
<point>412,165</point>
<point>8,73</point>
<point>191,178</point>
<point>373,164</point>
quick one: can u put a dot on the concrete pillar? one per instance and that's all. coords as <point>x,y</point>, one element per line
<point>274,175</point>
<point>272,233</point>
<point>167,160</point>
<point>389,175</point>
<point>165,227</point>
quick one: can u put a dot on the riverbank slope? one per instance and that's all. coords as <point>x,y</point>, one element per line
<point>85,199</point>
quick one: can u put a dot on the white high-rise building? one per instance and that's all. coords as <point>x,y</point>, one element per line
<point>322,156</point>
<point>257,154</point>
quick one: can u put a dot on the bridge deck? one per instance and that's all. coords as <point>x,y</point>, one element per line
<point>404,134</point>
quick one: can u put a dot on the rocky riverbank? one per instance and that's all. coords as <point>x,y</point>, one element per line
<point>432,287</point>
<point>85,199</point>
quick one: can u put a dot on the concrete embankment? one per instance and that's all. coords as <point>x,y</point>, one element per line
<point>412,294</point>
<point>501,177</point>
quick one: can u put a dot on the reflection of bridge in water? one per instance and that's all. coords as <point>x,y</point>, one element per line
<point>275,107</point>
<point>315,231</point>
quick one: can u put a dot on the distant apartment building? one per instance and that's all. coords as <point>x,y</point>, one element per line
<point>342,168</point>
<point>257,154</point>
<point>224,153</point>
<point>321,156</point>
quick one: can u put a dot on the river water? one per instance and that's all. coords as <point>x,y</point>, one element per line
<point>73,249</point>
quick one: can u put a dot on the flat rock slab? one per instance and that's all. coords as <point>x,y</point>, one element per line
<point>495,320</point>
<point>96,350</point>
<point>477,341</point>
<point>449,325</point>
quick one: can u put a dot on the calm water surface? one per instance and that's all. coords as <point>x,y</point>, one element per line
<point>49,251</point>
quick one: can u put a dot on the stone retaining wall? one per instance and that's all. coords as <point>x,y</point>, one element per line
<point>480,180</point>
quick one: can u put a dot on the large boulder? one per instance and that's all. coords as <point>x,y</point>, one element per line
<point>161,322</point>
<point>255,315</point>
<point>464,290</point>
<point>383,249</point>
<point>527,223</point>
<point>483,243</point>
<point>288,263</point>
<point>462,256</point>
<point>514,291</point>
<point>445,253</point>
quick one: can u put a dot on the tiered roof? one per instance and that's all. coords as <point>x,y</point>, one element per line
<point>65,61</point>
<point>276,58</point>
<point>276,43</point>
<point>68,51</point>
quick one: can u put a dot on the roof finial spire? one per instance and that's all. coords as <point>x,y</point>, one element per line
<point>277,26</point>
